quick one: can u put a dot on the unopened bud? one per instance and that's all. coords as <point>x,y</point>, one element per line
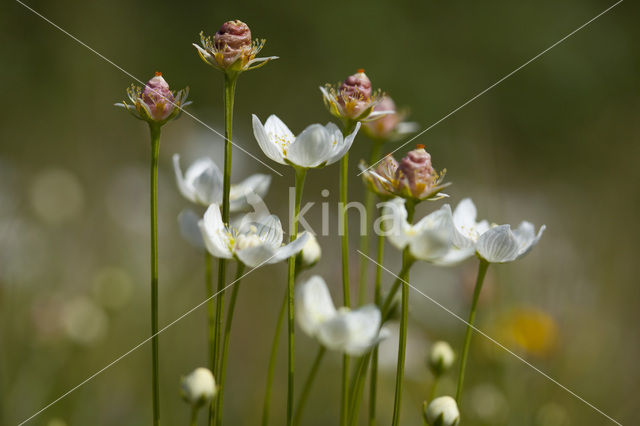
<point>442,411</point>
<point>232,39</point>
<point>311,252</point>
<point>199,387</point>
<point>158,97</point>
<point>441,358</point>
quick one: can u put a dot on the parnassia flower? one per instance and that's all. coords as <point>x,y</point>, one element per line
<point>391,126</point>
<point>414,178</point>
<point>442,411</point>
<point>429,239</point>
<point>231,48</point>
<point>353,99</point>
<point>202,184</point>
<point>254,243</point>
<point>351,331</point>
<point>156,103</point>
<point>198,387</point>
<point>317,146</point>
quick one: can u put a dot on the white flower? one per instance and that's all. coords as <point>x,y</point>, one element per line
<point>311,252</point>
<point>495,244</point>
<point>351,331</point>
<point>189,228</point>
<point>198,387</point>
<point>441,357</point>
<point>317,145</point>
<point>254,243</point>
<point>202,184</point>
<point>429,239</point>
<point>442,411</point>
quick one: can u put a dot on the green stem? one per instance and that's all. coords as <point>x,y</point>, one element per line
<point>229,94</point>
<point>211,306</point>
<point>373,381</point>
<point>227,339</point>
<point>300,177</point>
<point>155,149</point>
<point>482,271</point>
<point>357,387</point>
<point>434,386</point>
<point>194,416</point>
<point>404,316</point>
<point>272,360</point>
<point>307,385</point>
<point>370,204</point>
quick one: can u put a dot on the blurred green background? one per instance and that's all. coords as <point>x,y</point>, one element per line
<point>557,143</point>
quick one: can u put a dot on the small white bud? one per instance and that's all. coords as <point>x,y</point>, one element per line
<point>311,251</point>
<point>199,387</point>
<point>441,358</point>
<point>442,411</point>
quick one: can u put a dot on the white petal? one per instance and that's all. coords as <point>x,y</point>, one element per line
<point>466,230</point>
<point>214,233</point>
<point>431,244</point>
<point>396,226</point>
<point>277,130</point>
<point>186,190</point>
<point>206,179</point>
<point>526,237</point>
<point>311,148</point>
<point>269,229</point>
<point>498,245</point>
<point>189,229</point>
<point>256,256</point>
<point>353,332</point>
<point>465,213</point>
<point>343,146</point>
<point>313,304</point>
<point>455,255</point>
<point>266,144</point>
<point>290,249</point>
<point>257,184</point>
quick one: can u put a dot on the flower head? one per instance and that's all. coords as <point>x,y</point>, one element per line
<point>351,331</point>
<point>156,103</point>
<point>389,127</point>
<point>442,411</point>
<point>231,48</point>
<point>202,184</point>
<point>198,387</point>
<point>413,178</point>
<point>441,358</point>
<point>254,243</point>
<point>317,146</point>
<point>353,99</point>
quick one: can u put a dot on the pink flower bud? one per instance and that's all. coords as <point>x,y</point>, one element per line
<point>355,94</point>
<point>385,125</point>
<point>232,40</point>
<point>415,171</point>
<point>158,97</point>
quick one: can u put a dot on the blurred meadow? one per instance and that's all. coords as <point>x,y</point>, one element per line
<point>557,143</point>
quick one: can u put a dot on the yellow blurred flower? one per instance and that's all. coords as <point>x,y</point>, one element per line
<point>529,329</point>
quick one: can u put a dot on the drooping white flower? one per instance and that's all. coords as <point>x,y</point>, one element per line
<point>317,145</point>
<point>351,331</point>
<point>429,239</point>
<point>189,228</point>
<point>202,184</point>
<point>254,243</point>
<point>198,387</point>
<point>442,411</point>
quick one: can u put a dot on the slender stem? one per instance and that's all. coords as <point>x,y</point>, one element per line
<point>227,339</point>
<point>357,388</point>
<point>482,271</point>
<point>155,149</point>
<point>402,339</point>
<point>229,94</point>
<point>211,306</point>
<point>307,385</point>
<point>370,204</point>
<point>344,170</point>
<point>300,177</point>
<point>434,386</point>
<point>373,381</point>
<point>272,359</point>
<point>194,416</point>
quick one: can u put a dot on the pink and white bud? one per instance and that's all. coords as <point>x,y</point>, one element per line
<point>158,97</point>
<point>384,126</point>
<point>232,40</point>
<point>415,171</point>
<point>355,94</point>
